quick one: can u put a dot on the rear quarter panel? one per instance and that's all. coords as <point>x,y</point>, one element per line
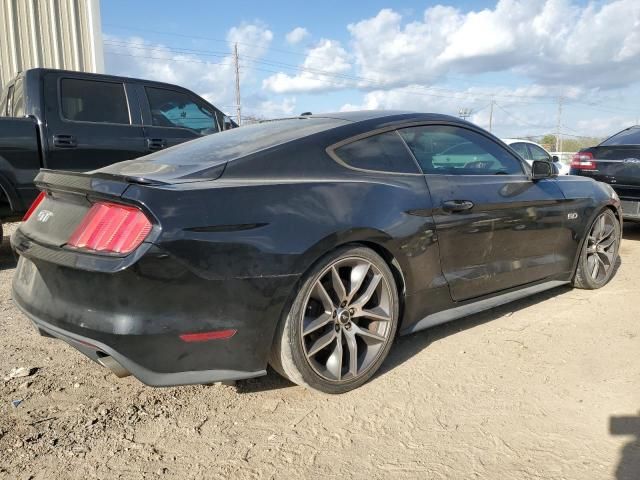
<point>235,229</point>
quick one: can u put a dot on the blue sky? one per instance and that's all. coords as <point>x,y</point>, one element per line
<point>519,55</point>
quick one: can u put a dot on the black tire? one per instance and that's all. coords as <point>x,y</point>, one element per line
<point>603,261</point>
<point>291,353</point>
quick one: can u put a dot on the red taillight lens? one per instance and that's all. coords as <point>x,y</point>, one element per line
<point>583,161</point>
<point>111,228</point>
<point>34,205</point>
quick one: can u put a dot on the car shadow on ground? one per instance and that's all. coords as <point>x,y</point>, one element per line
<point>7,258</point>
<point>631,231</point>
<point>406,347</point>
<point>629,465</point>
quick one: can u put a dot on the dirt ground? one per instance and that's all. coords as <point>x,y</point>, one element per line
<point>545,388</point>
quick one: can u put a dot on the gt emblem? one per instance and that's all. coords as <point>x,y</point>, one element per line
<point>44,215</point>
<point>572,216</point>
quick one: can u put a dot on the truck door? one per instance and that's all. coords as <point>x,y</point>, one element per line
<point>91,123</point>
<point>173,116</point>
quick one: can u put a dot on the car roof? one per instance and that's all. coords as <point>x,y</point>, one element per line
<point>388,117</point>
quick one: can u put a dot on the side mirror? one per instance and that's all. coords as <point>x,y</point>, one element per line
<point>555,158</point>
<point>542,169</point>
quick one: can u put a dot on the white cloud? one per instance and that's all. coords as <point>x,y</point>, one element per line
<point>212,78</point>
<point>297,35</point>
<point>553,42</point>
<point>253,39</point>
<point>601,126</point>
<point>323,69</point>
<point>514,112</point>
<point>550,41</point>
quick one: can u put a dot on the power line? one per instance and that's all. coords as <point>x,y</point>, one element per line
<point>368,82</point>
<point>364,83</point>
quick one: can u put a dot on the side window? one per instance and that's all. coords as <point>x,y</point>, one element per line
<point>93,101</point>
<point>521,149</point>
<point>177,109</point>
<point>538,153</point>
<point>449,150</point>
<point>384,152</point>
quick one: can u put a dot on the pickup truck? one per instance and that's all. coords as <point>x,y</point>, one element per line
<point>65,120</point>
<point>615,161</point>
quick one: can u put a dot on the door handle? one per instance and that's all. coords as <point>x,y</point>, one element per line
<point>156,143</point>
<point>65,141</point>
<point>453,206</point>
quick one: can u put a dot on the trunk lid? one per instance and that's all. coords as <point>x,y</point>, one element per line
<point>66,203</point>
<point>619,166</point>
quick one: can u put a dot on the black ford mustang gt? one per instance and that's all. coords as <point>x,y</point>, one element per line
<point>306,243</point>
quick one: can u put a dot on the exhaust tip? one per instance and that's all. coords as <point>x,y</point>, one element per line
<point>117,369</point>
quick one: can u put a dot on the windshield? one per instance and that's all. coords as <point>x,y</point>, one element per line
<point>630,136</point>
<point>213,150</point>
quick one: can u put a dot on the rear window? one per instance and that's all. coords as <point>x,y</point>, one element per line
<point>630,136</point>
<point>93,101</point>
<point>385,152</point>
<point>220,148</point>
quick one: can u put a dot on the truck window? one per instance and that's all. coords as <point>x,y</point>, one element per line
<point>93,101</point>
<point>18,99</point>
<point>176,109</point>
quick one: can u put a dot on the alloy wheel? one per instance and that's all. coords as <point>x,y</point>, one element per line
<point>602,245</point>
<point>347,319</point>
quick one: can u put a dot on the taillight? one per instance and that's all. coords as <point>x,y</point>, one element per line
<point>111,228</point>
<point>34,205</point>
<point>583,161</point>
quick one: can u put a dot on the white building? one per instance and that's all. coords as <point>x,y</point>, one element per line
<point>63,34</point>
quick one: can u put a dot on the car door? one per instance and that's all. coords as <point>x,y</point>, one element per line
<point>496,227</point>
<point>91,123</point>
<point>174,116</point>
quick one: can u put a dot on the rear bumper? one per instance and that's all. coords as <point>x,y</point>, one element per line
<point>109,357</point>
<point>136,317</point>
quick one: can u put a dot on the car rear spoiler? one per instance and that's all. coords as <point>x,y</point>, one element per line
<point>94,183</point>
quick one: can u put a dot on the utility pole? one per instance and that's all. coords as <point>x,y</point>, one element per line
<point>559,126</point>
<point>236,62</point>
<point>465,113</point>
<point>491,114</point>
